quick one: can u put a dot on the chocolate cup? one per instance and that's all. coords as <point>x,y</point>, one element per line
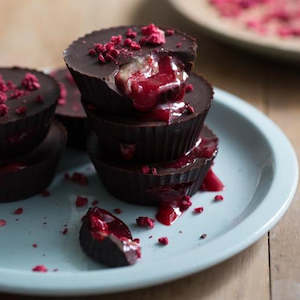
<point>40,167</point>
<point>71,113</point>
<point>154,141</point>
<point>20,134</point>
<point>78,130</point>
<point>109,251</point>
<point>127,182</point>
<point>95,81</point>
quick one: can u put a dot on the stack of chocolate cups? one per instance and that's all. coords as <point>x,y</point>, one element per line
<point>140,151</point>
<point>31,143</point>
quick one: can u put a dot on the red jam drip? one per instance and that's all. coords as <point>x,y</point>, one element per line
<point>172,202</point>
<point>102,223</point>
<point>12,168</point>
<point>204,148</point>
<point>151,80</point>
<point>211,182</point>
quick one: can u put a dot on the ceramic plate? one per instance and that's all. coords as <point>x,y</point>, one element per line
<point>253,161</point>
<point>206,17</point>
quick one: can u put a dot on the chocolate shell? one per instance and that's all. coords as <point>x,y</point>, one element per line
<point>95,80</point>
<point>127,181</point>
<point>69,110</point>
<point>112,249</point>
<point>153,141</point>
<point>30,111</point>
<point>30,174</point>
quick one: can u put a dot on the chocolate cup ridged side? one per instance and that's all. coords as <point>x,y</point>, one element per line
<point>36,126</point>
<point>106,251</point>
<point>132,186</point>
<point>78,130</point>
<point>152,143</point>
<point>35,178</point>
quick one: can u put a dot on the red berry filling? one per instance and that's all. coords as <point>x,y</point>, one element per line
<point>198,210</point>
<point>219,198</point>
<point>81,201</point>
<point>151,80</point>
<point>211,182</point>
<point>18,211</point>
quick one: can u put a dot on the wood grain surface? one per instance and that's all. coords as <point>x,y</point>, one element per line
<point>34,33</point>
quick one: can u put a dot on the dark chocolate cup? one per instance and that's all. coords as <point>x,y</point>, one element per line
<point>128,183</point>
<point>20,134</point>
<point>78,130</point>
<point>154,141</point>
<point>39,172</point>
<point>108,252</point>
<point>95,81</point>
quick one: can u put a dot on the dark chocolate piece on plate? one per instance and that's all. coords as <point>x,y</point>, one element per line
<point>107,240</point>
<point>143,184</point>
<point>27,103</point>
<point>30,174</point>
<point>69,110</point>
<point>137,138</point>
<point>96,58</point>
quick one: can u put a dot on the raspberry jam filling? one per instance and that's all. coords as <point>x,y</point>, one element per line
<point>102,223</point>
<point>204,148</point>
<point>152,80</point>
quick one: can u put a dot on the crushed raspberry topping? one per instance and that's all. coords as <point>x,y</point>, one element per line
<point>18,211</point>
<point>65,231</point>
<point>3,97</point>
<point>136,240</point>
<point>198,210</point>
<point>81,201</point>
<point>95,202</point>
<point>189,88</point>
<point>34,245</point>
<point>40,268</point>
<point>211,182</point>
<point>77,177</point>
<point>16,93</point>
<point>3,85</point>
<point>2,222</point>
<point>151,80</point>
<point>117,211</point>
<point>30,82</point>
<point>3,110</point>
<point>277,17</point>
<point>21,110</point>
<point>131,33</point>
<point>145,222</point>
<point>163,240</point>
<point>170,32</point>
<point>219,198</point>
<point>152,35</point>
<point>127,151</point>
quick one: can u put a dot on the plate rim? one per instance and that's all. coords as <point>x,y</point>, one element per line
<point>264,217</point>
<point>241,38</point>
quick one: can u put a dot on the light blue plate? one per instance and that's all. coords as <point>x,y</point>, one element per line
<point>257,164</point>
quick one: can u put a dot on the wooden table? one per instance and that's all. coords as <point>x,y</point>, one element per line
<point>34,33</point>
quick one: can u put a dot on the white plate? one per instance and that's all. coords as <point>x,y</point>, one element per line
<point>202,14</point>
<point>254,160</point>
